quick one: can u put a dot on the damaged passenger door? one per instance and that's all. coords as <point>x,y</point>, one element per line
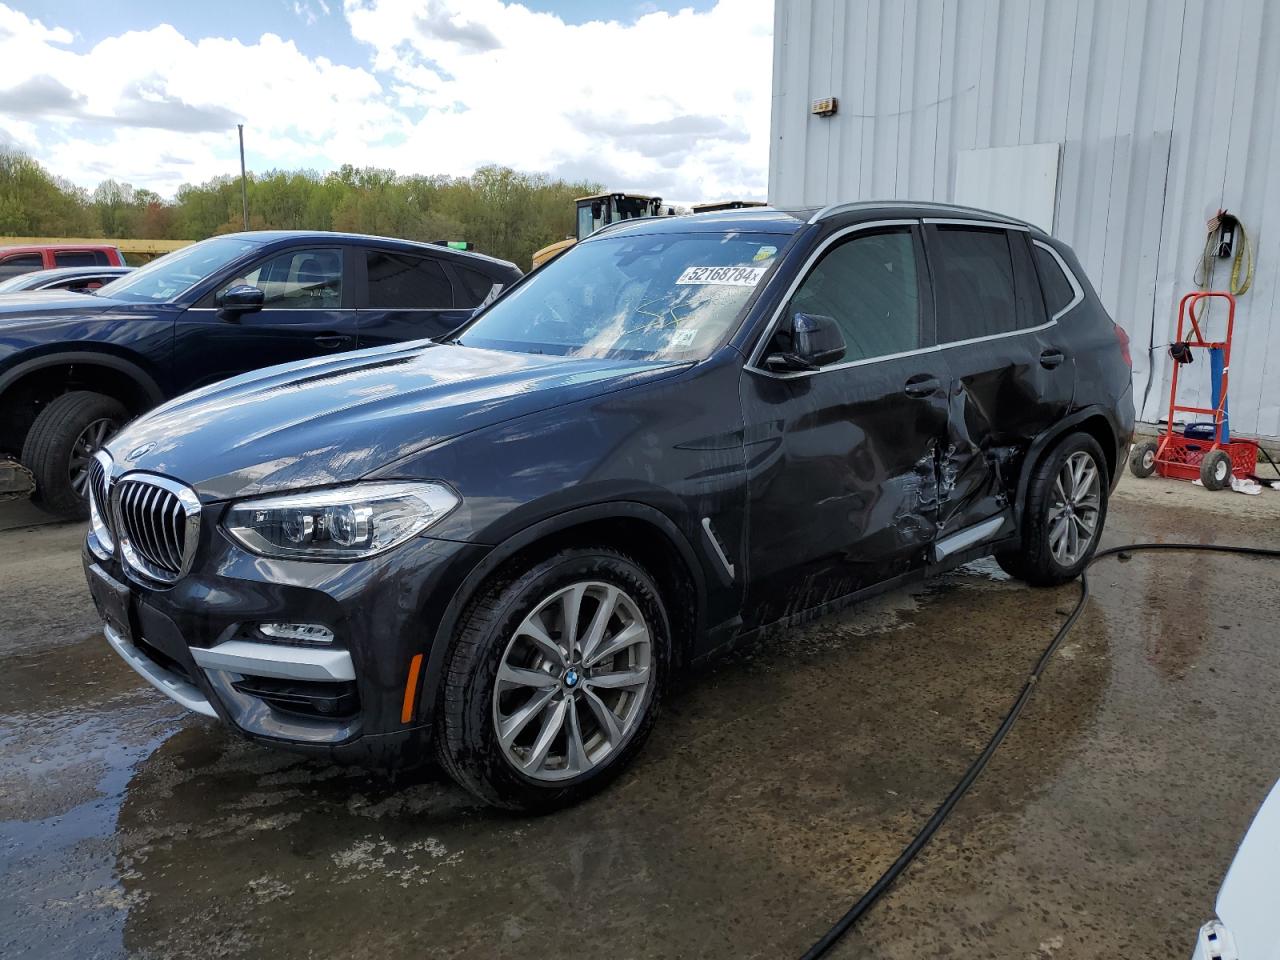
<point>841,460</point>
<point>1011,373</point>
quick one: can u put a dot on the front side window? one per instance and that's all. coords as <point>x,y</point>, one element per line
<point>297,280</point>
<point>868,285</point>
<point>402,282</point>
<point>174,273</point>
<point>660,296</point>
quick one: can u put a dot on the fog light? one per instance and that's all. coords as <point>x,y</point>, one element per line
<point>297,632</point>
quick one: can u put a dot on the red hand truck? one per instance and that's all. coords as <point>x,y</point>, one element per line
<point>1186,455</point>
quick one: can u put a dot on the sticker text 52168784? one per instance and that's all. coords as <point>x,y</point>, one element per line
<point>724,276</point>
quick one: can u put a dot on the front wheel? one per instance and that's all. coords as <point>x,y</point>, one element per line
<point>1065,512</point>
<point>60,444</point>
<point>554,680</point>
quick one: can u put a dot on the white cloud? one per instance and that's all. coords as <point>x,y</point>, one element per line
<point>674,103</point>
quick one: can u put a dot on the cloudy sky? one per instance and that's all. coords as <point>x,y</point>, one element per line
<point>664,97</point>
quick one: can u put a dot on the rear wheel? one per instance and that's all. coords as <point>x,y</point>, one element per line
<point>554,680</point>
<point>1065,512</point>
<point>61,443</point>
<point>1142,461</point>
<point>1215,470</point>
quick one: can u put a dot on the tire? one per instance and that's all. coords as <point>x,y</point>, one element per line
<point>493,634</point>
<point>1042,559</point>
<point>61,439</point>
<point>1142,461</point>
<point>1215,470</point>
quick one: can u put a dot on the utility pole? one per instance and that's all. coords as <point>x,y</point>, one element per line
<point>244,182</point>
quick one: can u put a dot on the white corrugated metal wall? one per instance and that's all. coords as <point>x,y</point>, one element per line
<point>1164,109</point>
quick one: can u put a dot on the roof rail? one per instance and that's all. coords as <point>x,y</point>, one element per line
<point>833,209</point>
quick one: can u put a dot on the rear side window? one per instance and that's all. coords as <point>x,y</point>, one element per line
<point>1058,289</point>
<point>77,258</point>
<point>20,263</point>
<point>475,286</point>
<point>974,271</point>
<point>868,285</point>
<point>401,282</point>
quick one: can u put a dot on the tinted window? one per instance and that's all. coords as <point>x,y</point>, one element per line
<point>1058,291</point>
<point>400,282</point>
<point>974,272</point>
<point>868,284</point>
<point>298,280</point>
<point>475,286</point>
<point>20,263</point>
<point>75,258</point>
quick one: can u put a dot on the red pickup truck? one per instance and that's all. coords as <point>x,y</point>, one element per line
<point>16,260</point>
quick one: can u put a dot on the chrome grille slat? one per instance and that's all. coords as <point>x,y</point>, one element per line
<point>158,523</point>
<point>169,537</point>
<point>150,538</point>
<point>176,524</point>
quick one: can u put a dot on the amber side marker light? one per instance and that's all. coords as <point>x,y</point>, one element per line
<point>411,688</point>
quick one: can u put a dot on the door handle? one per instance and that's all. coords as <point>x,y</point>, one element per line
<point>331,341</point>
<point>1051,358</point>
<point>921,385</point>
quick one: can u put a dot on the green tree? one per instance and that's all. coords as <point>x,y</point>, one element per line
<point>504,212</point>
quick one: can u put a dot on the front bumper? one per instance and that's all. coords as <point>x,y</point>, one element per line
<point>358,698</point>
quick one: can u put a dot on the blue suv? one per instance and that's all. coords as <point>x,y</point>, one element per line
<point>75,368</point>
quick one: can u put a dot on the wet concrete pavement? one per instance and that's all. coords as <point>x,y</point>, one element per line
<point>776,787</point>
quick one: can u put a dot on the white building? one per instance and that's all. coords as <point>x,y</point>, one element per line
<point>1121,126</point>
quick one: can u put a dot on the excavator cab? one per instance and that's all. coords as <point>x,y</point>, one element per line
<point>599,211</point>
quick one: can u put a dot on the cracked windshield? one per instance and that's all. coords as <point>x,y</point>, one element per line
<point>648,297</point>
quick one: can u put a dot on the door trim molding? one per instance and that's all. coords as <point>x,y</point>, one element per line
<point>968,537</point>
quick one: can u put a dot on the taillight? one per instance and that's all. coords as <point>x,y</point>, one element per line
<point>1124,345</point>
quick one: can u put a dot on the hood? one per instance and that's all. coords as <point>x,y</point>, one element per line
<point>39,303</point>
<point>328,421</point>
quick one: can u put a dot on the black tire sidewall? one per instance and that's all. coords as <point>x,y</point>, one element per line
<point>1040,567</point>
<point>1209,470</point>
<point>47,449</point>
<point>466,736</point>
<point>1136,465</point>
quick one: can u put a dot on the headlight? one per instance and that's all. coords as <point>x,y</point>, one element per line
<point>98,511</point>
<point>344,523</point>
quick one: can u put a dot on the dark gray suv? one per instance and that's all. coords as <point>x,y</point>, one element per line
<point>684,432</point>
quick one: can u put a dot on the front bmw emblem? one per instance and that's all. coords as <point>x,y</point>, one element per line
<point>141,451</point>
<point>571,678</point>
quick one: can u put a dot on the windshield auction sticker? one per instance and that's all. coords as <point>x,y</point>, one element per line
<point>723,276</point>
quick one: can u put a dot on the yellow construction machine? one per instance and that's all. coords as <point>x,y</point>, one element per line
<point>599,211</point>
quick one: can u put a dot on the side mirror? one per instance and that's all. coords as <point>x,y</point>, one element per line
<point>241,298</point>
<point>815,341</point>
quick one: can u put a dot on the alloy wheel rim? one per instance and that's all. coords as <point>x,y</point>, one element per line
<point>1074,511</point>
<point>89,442</point>
<point>572,682</point>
